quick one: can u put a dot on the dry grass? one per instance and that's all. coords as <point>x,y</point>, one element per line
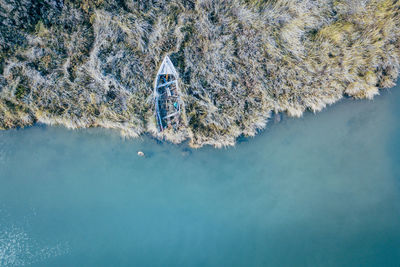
<point>92,63</point>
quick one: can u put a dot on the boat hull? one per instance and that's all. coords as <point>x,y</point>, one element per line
<point>167,97</point>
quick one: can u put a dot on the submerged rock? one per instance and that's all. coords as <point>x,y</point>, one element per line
<point>186,152</point>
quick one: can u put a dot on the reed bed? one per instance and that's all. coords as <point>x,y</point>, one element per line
<point>92,63</point>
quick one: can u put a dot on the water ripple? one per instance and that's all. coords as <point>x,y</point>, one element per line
<point>18,248</point>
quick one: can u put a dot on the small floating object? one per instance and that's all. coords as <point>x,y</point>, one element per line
<point>167,96</point>
<point>140,153</point>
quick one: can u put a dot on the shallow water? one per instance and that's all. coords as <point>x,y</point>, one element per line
<point>323,190</point>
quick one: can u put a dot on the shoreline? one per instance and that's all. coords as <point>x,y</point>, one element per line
<point>93,64</point>
<point>186,143</point>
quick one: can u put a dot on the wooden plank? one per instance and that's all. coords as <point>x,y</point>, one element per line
<point>166,84</point>
<point>171,115</point>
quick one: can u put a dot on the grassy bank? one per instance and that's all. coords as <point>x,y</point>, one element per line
<point>92,63</point>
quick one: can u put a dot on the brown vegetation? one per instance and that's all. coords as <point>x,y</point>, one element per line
<point>92,63</point>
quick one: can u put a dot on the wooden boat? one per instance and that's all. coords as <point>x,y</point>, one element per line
<point>167,96</point>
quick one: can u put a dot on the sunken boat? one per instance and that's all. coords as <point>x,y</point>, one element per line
<point>167,97</point>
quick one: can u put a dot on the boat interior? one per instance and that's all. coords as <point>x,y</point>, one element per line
<point>167,102</point>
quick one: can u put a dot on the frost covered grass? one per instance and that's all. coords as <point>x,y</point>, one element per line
<point>92,63</point>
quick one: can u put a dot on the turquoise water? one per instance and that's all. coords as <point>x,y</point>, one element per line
<point>323,190</point>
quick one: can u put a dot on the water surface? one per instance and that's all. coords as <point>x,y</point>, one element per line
<point>323,190</point>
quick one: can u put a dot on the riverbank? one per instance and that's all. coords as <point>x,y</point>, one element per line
<point>92,64</point>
